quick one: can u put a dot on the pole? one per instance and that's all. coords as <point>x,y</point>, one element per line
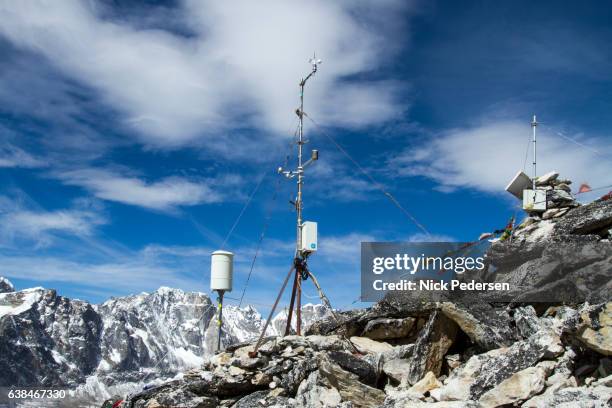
<point>278,297</point>
<point>291,303</point>
<point>298,325</point>
<point>534,124</point>
<point>220,318</point>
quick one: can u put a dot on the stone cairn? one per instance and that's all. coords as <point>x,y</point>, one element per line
<point>559,197</point>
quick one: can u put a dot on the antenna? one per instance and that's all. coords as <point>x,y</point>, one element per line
<point>308,229</point>
<point>306,239</point>
<point>534,124</point>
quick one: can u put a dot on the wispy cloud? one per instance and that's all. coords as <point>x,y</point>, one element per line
<point>166,194</point>
<point>487,156</point>
<point>174,89</point>
<point>13,156</point>
<point>39,226</point>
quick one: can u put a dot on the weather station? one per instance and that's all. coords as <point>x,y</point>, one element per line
<point>221,279</point>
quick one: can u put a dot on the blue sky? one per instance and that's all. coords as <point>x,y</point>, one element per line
<point>131,136</point>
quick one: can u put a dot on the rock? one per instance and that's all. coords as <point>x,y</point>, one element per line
<point>312,394</point>
<point>605,367</point>
<point>383,329</point>
<point>349,386</point>
<point>593,397</point>
<point>365,345</point>
<point>297,372</point>
<point>554,213</point>
<point>521,386</point>
<point>397,369</point>
<point>433,342</point>
<point>564,187</point>
<point>541,400</point>
<point>559,198</point>
<point>594,218</point>
<point>426,384</point>
<point>261,379</point>
<point>6,286</point>
<point>547,178</point>
<point>328,343</point>
<point>453,361</point>
<point>260,399</point>
<point>407,401</point>
<point>599,338</point>
<point>483,372</point>
<point>366,373</point>
<point>604,382</point>
<point>182,397</point>
<point>526,321</point>
<point>487,327</point>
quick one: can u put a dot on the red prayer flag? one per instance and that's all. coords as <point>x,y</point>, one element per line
<point>584,188</point>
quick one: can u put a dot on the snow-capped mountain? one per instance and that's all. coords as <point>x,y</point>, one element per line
<point>310,314</point>
<point>5,285</point>
<point>121,344</point>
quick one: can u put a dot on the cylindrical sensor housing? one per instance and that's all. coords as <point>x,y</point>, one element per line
<point>221,270</point>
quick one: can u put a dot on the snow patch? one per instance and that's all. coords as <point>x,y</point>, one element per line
<point>15,303</point>
<point>188,357</point>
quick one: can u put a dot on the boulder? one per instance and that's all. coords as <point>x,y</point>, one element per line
<point>261,399</point>
<point>483,372</point>
<point>349,386</point>
<point>397,369</point>
<point>547,178</point>
<point>426,384</point>
<point>365,345</point>
<point>520,386</point>
<point>592,397</point>
<point>598,335</point>
<point>488,327</point>
<point>434,340</point>
<point>383,329</point>
<point>328,343</point>
<point>365,371</point>
<point>526,321</point>
<point>312,394</point>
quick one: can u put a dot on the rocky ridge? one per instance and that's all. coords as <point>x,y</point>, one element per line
<point>406,352</point>
<point>118,346</point>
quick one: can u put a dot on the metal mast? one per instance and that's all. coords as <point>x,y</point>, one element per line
<point>299,261</point>
<point>534,124</point>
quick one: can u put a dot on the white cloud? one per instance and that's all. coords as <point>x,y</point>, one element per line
<point>486,157</point>
<point>164,195</point>
<point>241,61</point>
<point>422,237</point>
<point>343,248</point>
<point>39,226</point>
<point>13,156</point>
<point>117,277</point>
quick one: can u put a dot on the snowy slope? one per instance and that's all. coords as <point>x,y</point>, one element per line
<point>121,344</point>
<point>310,314</point>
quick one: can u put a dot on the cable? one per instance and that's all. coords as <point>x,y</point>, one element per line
<point>246,204</point>
<point>261,238</point>
<point>267,218</point>
<point>577,143</point>
<point>365,173</point>
<point>526,153</point>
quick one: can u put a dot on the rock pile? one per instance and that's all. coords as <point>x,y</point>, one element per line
<point>458,356</point>
<point>559,197</point>
<point>404,352</point>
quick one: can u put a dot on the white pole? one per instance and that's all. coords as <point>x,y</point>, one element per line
<point>534,124</point>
